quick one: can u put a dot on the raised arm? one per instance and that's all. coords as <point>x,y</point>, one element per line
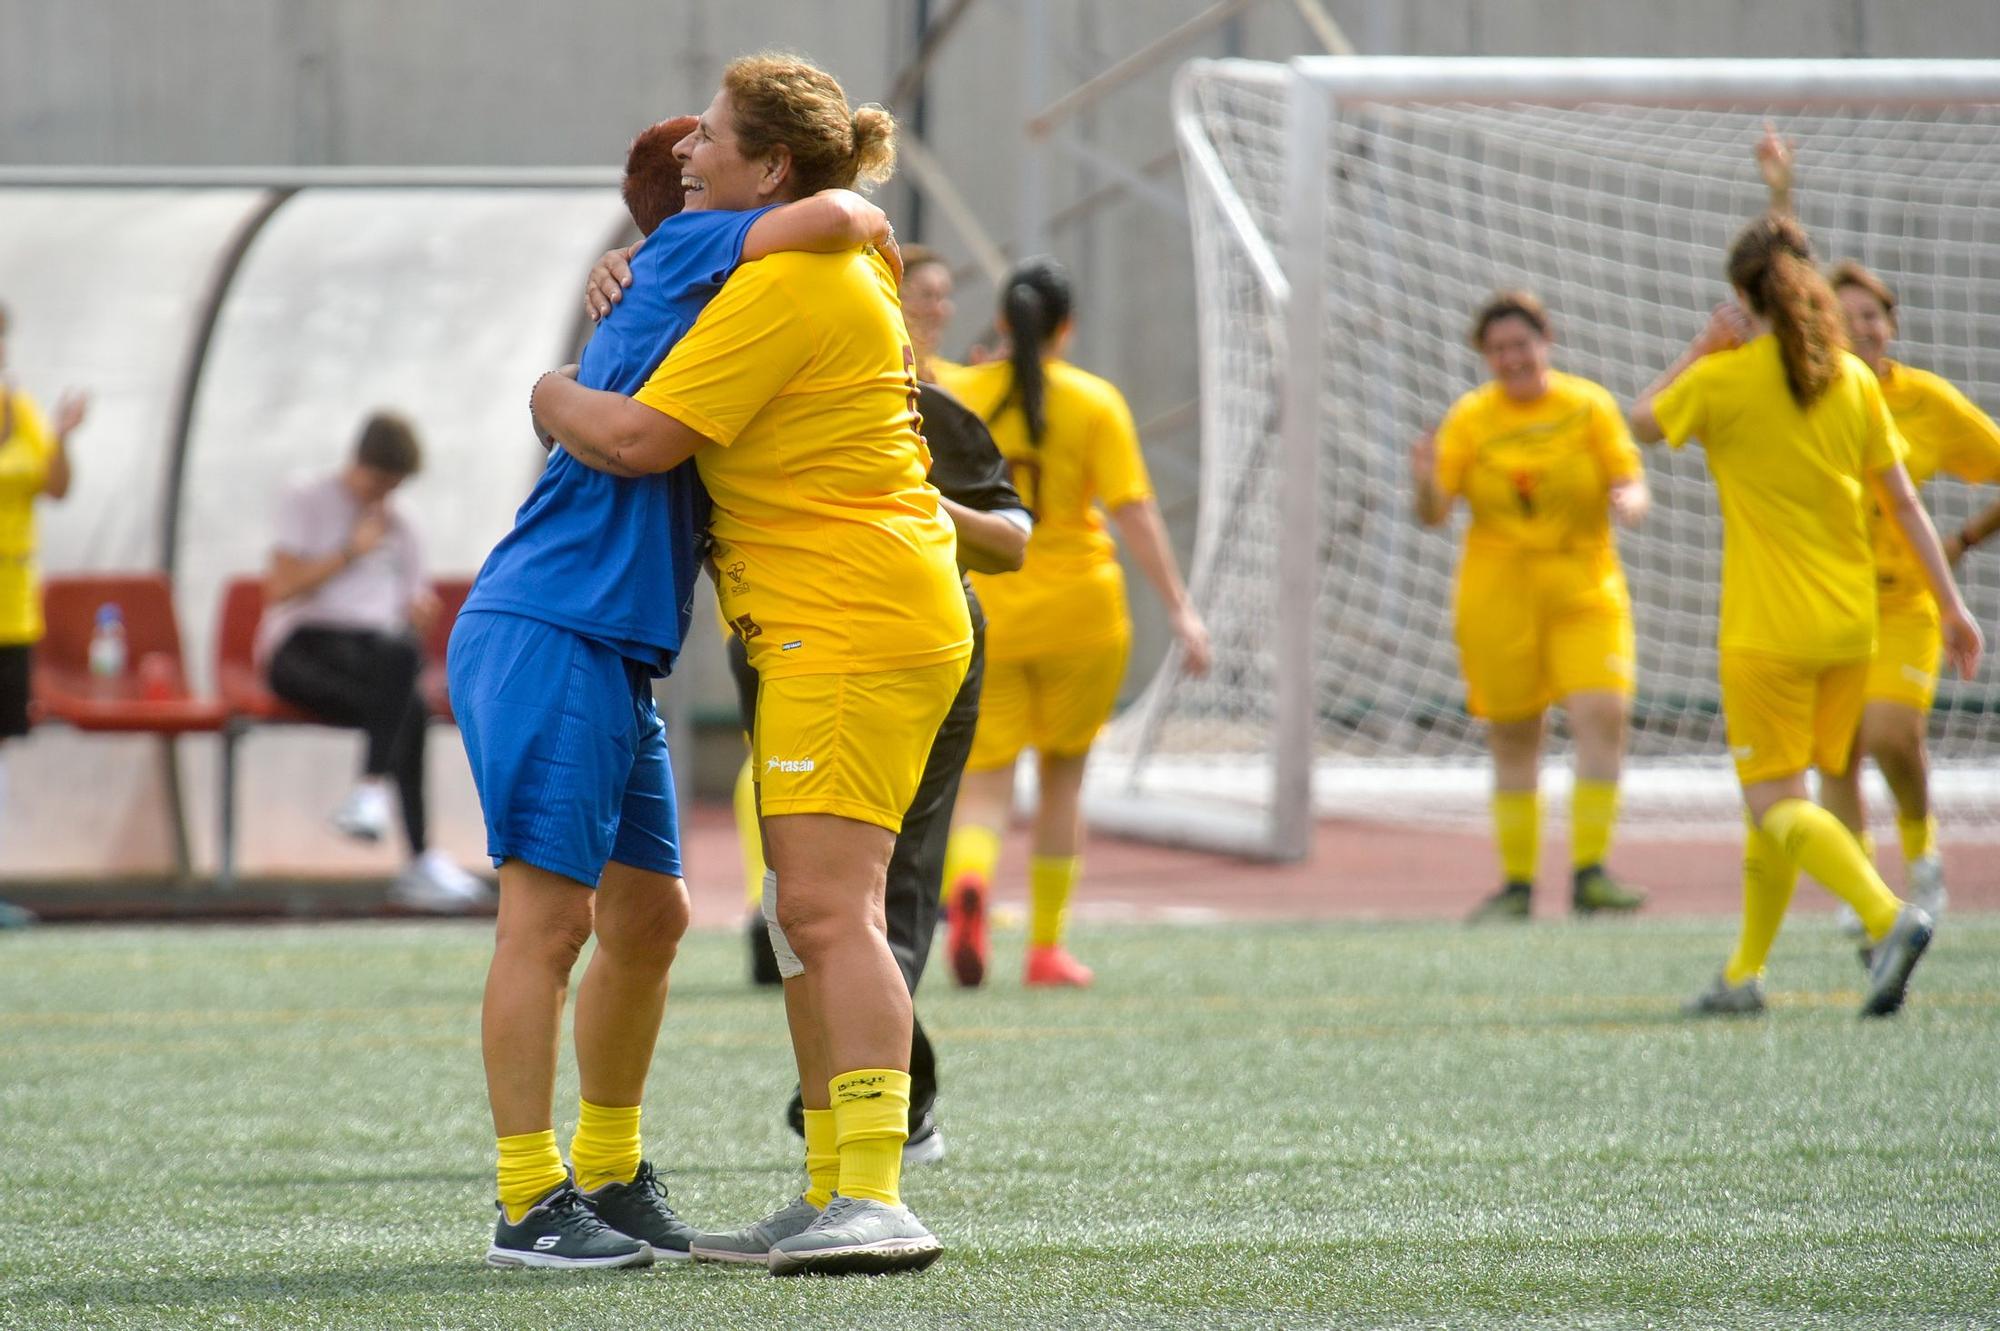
<point>824,223</point>
<point>1727,327</point>
<point>1774,164</point>
<point>1433,505</point>
<point>1898,499</point>
<point>608,432</point>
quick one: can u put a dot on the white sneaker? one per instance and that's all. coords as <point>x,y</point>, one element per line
<point>432,882</point>
<point>1927,886</point>
<point>364,814</point>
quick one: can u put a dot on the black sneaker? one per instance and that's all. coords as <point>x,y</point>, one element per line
<point>639,1210</point>
<point>1509,903</point>
<point>1595,890</point>
<point>561,1230</point>
<point>763,961</point>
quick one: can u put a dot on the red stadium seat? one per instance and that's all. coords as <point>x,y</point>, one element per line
<point>149,698</point>
<point>248,699</point>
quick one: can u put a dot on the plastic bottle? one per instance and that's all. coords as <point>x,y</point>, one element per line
<point>107,643</point>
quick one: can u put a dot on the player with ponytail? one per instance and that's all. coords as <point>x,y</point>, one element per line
<point>1797,437</point>
<point>1057,631</point>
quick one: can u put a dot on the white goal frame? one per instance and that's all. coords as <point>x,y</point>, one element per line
<point>1293,279</point>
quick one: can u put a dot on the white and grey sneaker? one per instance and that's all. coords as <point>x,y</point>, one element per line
<point>364,814</point>
<point>432,882</point>
<point>925,1146</point>
<point>753,1243</point>
<point>856,1236</point>
<point>1896,954</point>
<point>1927,886</point>
<point>1723,999</point>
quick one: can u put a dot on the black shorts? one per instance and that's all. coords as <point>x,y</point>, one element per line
<point>16,662</point>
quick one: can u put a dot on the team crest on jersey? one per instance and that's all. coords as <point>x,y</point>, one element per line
<point>746,627</point>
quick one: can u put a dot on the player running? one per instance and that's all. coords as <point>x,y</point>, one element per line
<point>1544,461</point>
<point>1796,435</point>
<point>552,661</point>
<point>1946,434</point>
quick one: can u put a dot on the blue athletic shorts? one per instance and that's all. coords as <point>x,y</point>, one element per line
<point>566,747</point>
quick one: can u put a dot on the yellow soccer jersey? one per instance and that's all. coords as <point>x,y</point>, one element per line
<point>25,451</point>
<point>1945,433</point>
<point>1537,475</point>
<point>834,555</point>
<point>1798,573</point>
<point>1069,594</point>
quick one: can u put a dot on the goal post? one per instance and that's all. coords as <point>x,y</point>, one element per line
<point>1348,214</point>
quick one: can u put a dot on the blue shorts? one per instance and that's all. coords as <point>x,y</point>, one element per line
<point>566,747</point>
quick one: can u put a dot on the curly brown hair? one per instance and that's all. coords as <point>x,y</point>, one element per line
<point>1771,263</point>
<point>785,101</point>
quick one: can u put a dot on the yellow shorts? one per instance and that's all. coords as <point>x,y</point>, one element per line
<point>1054,705</point>
<point>1785,716</point>
<point>850,745</point>
<point>1908,649</point>
<point>1535,628</point>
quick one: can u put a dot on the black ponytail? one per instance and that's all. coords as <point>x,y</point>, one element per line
<point>1034,304</point>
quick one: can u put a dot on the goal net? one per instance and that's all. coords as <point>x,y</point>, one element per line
<point>1348,216</point>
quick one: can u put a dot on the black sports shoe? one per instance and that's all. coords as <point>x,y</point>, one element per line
<point>639,1210</point>
<point>1511,902</point>
<point>763,961</point>
<point>561,1230</point>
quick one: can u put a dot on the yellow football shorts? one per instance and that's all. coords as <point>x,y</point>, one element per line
<point>1785,716</point>
<point>849,745</point>
<point>1536,628</point>
<point>1054,704</point>
<point>1909,647</point>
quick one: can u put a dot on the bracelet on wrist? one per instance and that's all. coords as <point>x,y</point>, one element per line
<point>547,440</point>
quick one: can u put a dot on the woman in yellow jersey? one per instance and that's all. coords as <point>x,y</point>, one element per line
<point>1796,436</point>
<point>1057,631</point>
<point>795,394</point>
<point>1945,433</point>
<point>34,461</point>
<point>1543,460</point>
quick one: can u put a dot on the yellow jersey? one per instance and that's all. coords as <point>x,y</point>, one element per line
<point>1945,433</point>
<point>1537,475</point>
<point>832,553</point>
<point>1069,594</point>
<point>26,448</point>
<point>1798,571</point>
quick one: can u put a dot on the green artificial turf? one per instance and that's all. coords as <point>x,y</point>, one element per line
<point>1361,1126</point>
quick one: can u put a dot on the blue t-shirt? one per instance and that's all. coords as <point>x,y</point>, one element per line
<point>609,557</point>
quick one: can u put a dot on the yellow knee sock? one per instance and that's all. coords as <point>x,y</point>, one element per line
<point>822,1157</point>
<point>1768,880</point>
<point>1051,883</point>
<point>1593,811</point>
<point>606,1146</point>
<point>530,1168</point>
<point>871,1115</point>
<point>1517,819</point>
<point>1919,837</point>
<point>971,852</point>
<point>1814,839</point>
<point>748,839</point>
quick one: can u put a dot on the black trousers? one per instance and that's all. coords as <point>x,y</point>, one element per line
<point>916,866</point>
<point>367,680</point>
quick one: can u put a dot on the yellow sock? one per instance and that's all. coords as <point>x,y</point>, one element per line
<point>1051,883</point>
<point>971,852</point>
<point>748,839</point>
<point>1768,880</point>
<point>606,1146</point>
<point>530,1168</point>
<point>1517,825</point>
<point>1593,811</point>
<point>1919,837</point>
<point>1814,839</point>
<point>822,1157</point>
<point>871,1115</point>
